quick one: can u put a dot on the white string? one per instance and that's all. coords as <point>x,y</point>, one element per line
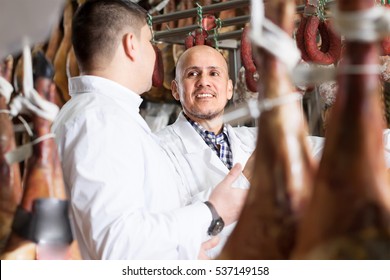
<point>264,33</point>
<point>6,89</point>
<point>253,108</point>
<point>312,74</point>
<point>8,112</point>
<point>26,126</point>
<point>355,69</point>
<point>31,101</point>
<point>23,121</point>
<point>43,138</point>
<point>269,103</point>
<point>369,25</point>
<point>25,151</point>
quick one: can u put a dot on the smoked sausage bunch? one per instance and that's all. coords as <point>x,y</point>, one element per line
<point>200,35</point>
<point>309,27</point>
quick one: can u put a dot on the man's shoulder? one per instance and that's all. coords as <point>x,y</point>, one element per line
<point>167,136</point>
<point>166,132</point>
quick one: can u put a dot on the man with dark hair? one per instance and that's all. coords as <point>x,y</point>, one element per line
<point>124,190</point>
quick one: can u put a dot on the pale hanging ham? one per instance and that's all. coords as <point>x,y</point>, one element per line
<point>283,169</point>
<point>348,216</point>
<point>60,59</point>
<point>10,181</point>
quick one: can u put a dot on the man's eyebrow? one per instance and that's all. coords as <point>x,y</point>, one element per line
<point>197,68</point>
<point>192,68</point>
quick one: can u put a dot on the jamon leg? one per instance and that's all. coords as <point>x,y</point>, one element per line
<point>283,173</point>
<point>10,181</point>
<point>44,189</point>
<point>348,217</point>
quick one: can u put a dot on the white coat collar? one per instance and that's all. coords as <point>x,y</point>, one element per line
<point>236,146</point>
<point>193,142</point>
<point>124,97</point>
<point>195,146</point>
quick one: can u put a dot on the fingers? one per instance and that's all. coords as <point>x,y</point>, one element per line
<point>207,245</point>
<point>233,174</point>
<point>211,243</point>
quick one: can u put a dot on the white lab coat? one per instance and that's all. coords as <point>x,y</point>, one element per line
<point>200,167</point>
<point>123,189</point>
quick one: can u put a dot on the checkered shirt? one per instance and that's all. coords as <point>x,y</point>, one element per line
<point>218,143</point>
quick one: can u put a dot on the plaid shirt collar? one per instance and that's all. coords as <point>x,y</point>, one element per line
<point>218,143</point>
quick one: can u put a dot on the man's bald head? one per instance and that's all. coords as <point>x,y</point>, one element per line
<point>203,50</point>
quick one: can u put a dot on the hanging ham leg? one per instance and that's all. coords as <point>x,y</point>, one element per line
<point>44,197</point>
<point>60,77</point>
<point>283,168</point>
<point>348,217</point>
<point>10,182</point>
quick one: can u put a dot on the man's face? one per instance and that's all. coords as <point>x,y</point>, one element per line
<point>148,56</point>
<point>202,83</point>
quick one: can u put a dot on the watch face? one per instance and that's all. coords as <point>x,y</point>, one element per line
<point>216,227</point>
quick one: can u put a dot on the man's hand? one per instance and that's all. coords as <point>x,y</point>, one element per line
<point>207,245</point>
<point>229,201</point>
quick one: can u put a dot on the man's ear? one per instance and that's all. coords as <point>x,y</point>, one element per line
<point>230,89</point>
<point>175,91</point>
<point>129,45</point>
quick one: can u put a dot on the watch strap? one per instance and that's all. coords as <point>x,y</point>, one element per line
<point>213,211</point>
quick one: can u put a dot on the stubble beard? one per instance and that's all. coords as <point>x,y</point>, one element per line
<point>201,116</point>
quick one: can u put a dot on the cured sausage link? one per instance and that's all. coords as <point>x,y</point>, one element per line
<point>158,71</point>
<point>310,39</point>
<point>246,51</point>
<point>247,60</point>
<point>300,38</point>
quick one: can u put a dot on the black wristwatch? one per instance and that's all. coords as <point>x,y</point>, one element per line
<point>217,223</point>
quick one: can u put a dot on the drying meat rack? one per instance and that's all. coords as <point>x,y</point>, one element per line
<point>227,40</point>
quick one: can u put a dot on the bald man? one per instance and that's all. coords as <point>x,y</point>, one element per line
<point>202,147</point>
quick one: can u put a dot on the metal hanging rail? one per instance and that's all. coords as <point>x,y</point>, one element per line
<point>206,9</point>
<point>185,30</point>
<point>181,31</point>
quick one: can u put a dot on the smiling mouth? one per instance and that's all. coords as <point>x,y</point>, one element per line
<point>204,95</point>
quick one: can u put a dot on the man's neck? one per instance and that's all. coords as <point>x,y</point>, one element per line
<point>214,125</point>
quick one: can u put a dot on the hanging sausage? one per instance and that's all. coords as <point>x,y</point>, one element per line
<point>314,25</point>
<point>248,61</point>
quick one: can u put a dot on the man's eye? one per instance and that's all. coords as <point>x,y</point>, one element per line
<point>193,74</point>
<point>214,73</point>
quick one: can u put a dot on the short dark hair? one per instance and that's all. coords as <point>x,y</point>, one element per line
<point>97,29</point>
